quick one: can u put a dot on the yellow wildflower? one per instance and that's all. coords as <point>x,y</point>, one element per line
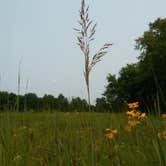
<point>130,113</point>
<point>110,135</point>
<point>133,105</point>
<point>143,115</point>
<point>136,104</point>
<point>136,115</point>
<point>107,129</point>
<point>133,123</point>
<point>114,131</point>
<point>133,114</point>
<point>130,105</point>
<point>164,116</point>
<point>164,135</point>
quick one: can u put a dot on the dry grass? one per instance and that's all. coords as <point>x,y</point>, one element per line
<point>86,33</point>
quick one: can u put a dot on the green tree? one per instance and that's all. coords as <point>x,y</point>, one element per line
<point>12,101</point>
<point>63,103</point>
<point>128,84</point>
<point>122,89</point>
<point>144,81</point>
<point>49,102</point>
<point>111,92</point>
<point>31,101</point>
<point>152,64</point>
<point>102,105</point>
<point>78,104</point>
<point>4,101</point>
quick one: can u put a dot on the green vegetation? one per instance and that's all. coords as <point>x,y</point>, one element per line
<point>145,80</point>
<point>79,139</point>
<point>51,131</point>
<point>31,102</point>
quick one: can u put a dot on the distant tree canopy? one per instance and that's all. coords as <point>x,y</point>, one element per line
<point>152,64</point>
<point>145,80</point>
<point>31,102</point>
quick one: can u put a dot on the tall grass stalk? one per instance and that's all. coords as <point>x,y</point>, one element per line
<point>26,90</point>
<point>86,33</point>
<point>18,85</point>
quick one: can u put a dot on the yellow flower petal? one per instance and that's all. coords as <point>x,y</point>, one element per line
<point>110,136</point>
<point>107,129</point>
<point>133,123</point>
<point>114,131</point>
<point>163,116</point>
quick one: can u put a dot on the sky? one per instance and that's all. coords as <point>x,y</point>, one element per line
<point>39,34</point>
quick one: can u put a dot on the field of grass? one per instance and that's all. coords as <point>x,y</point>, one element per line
<point>79,139</point>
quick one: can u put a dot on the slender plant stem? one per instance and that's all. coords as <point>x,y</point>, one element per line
<point>86,32</point>
<point>88,91</point>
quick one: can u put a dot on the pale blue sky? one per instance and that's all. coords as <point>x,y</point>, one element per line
<point>41,32</point>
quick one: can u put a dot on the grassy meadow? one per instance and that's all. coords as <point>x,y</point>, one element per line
<point>80,139</point>
<point>50,131</point>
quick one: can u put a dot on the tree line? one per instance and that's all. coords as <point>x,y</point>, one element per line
<point>144,81</point>
<point>31,102</point>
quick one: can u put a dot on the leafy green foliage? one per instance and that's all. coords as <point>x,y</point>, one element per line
<point>152,64</point>
<point>31,102</point>
<point>145,80</point>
